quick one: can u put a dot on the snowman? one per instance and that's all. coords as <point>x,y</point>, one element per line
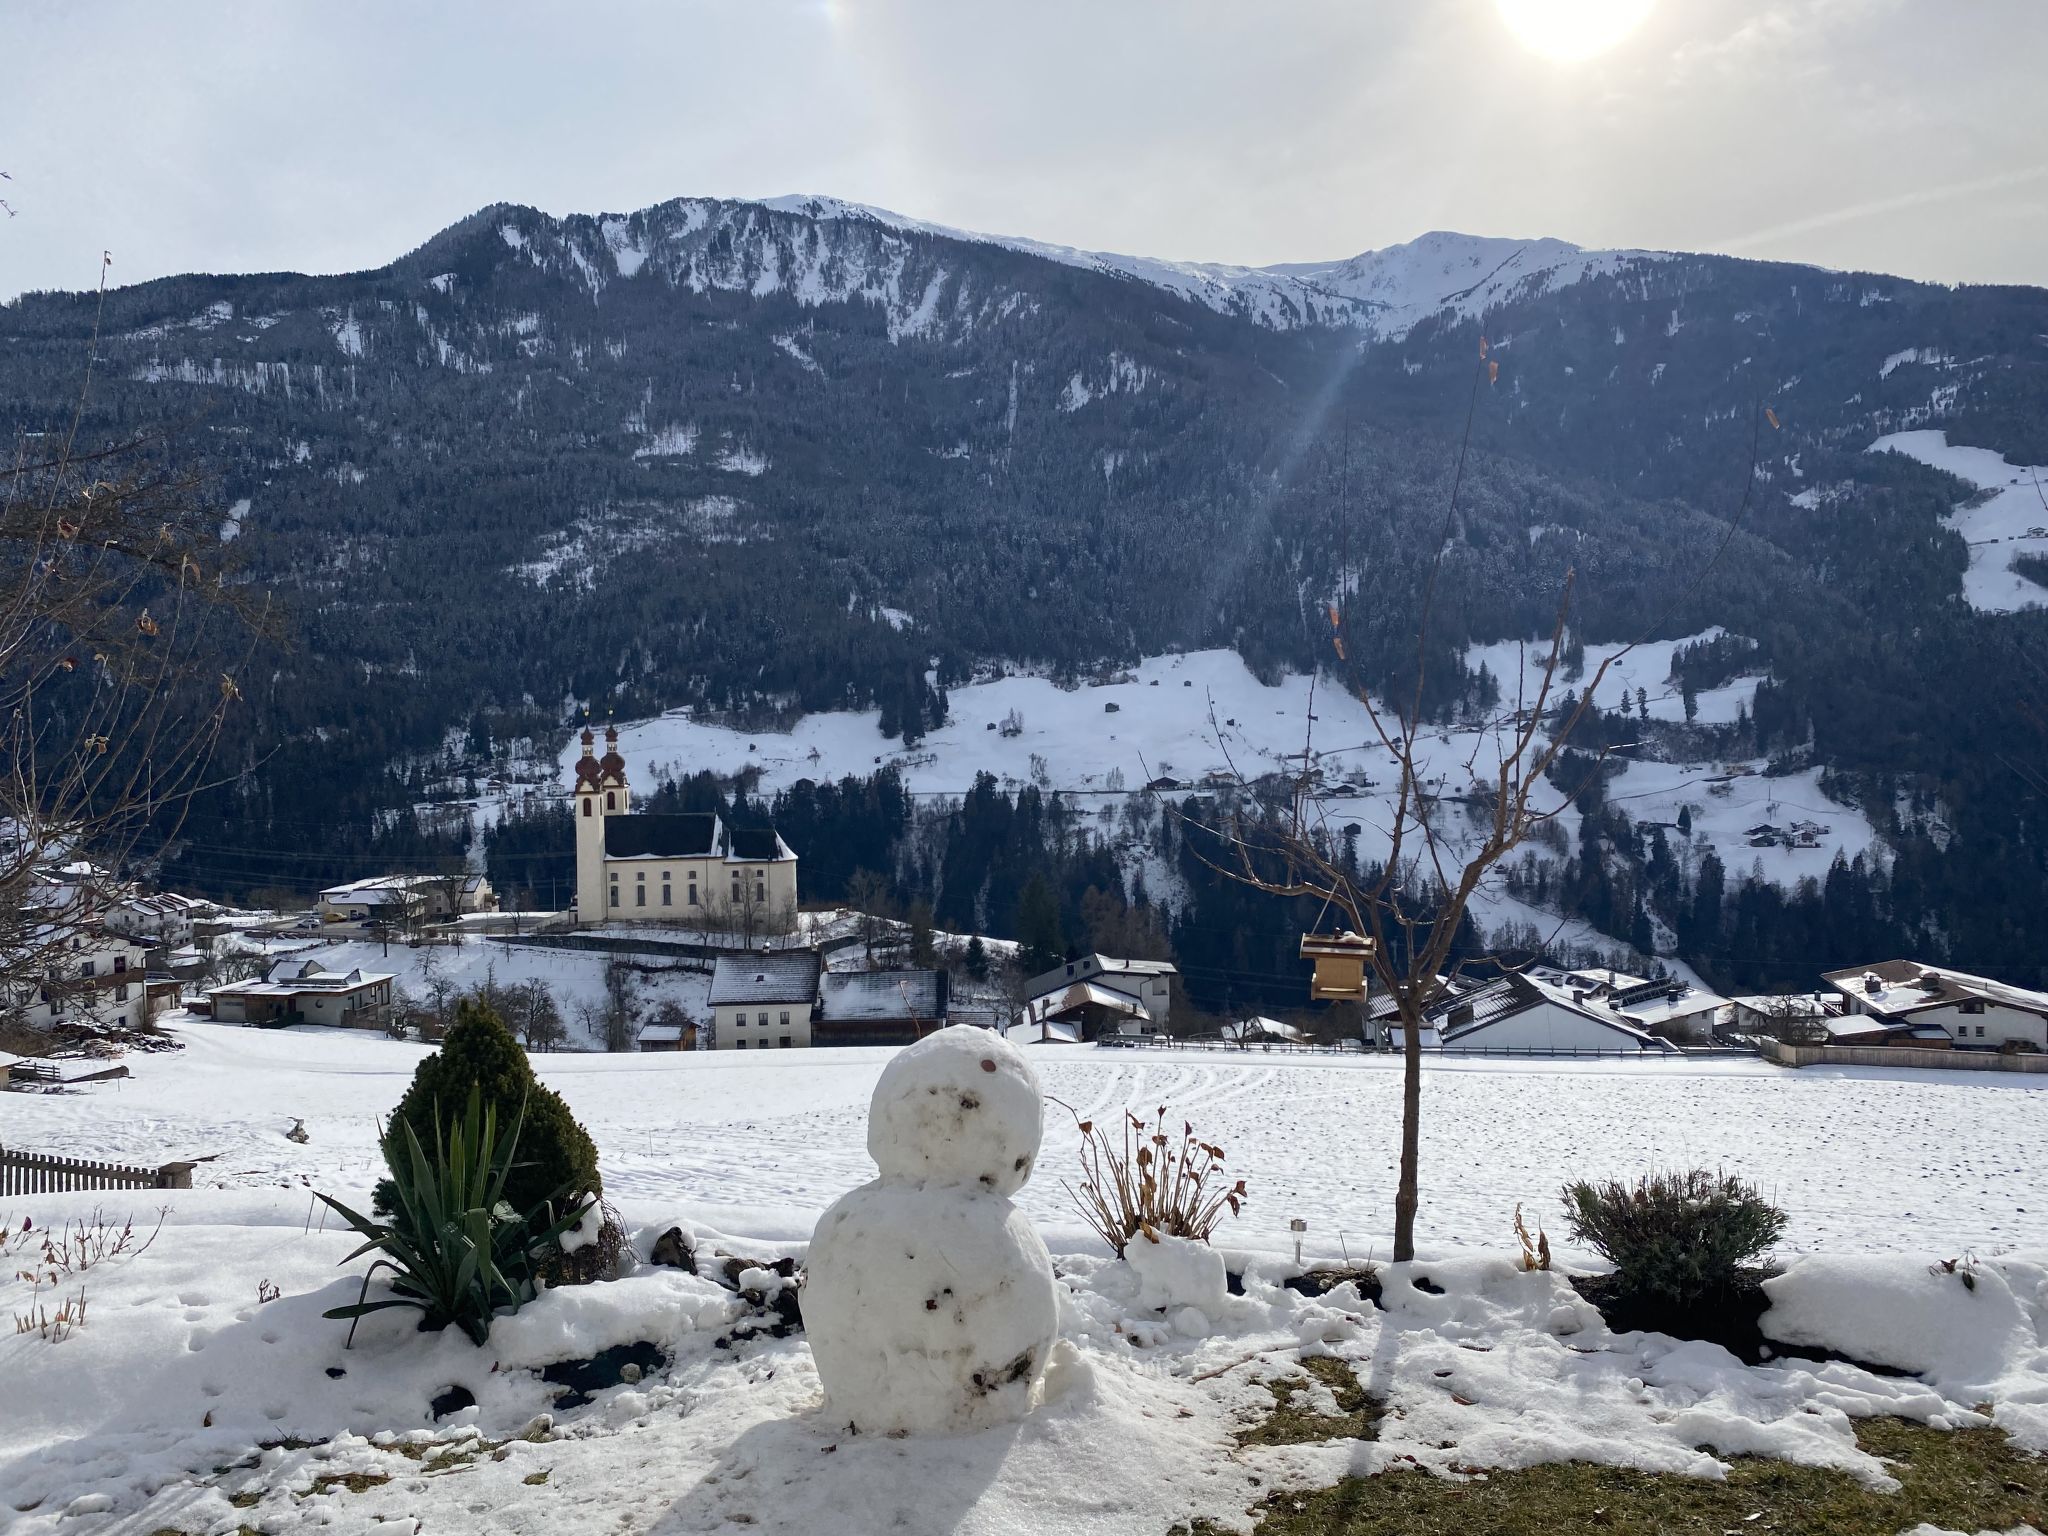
<point>927,1298</point>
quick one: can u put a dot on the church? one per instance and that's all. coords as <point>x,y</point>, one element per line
<point>691,870</point>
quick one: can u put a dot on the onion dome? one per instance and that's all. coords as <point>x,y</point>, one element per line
<point>587,766</point>
<point>611,765</point>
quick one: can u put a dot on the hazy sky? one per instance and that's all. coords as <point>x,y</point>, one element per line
<point>1906,136</point>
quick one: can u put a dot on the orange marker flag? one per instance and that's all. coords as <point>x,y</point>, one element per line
<point>1493,373</point>
<point>1772,417</point>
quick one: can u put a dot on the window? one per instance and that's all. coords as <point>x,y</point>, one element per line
<point>785,1042</point>
<point>739,1045</point>
<point>693,890</point>
<point>640,896</point>
<point>615,895</point>
<point>785,1018</point>
<point>667,896</point>
<point>120,964</point>
<point>611,801</point>
<point>586,807</point>
<point>1980,1031</point>
<point>640,875</point>
<point>85,968</point>
<point>1973,1005</point>
<point>764,1021</point>
<point>121,996</point>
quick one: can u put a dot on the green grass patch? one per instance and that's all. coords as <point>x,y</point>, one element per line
<point>347,1482</point>
<point>1968,1479</point>
<point>1294,1421</point>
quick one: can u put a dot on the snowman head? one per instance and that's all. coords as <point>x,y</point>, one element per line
<point>959,1107</point>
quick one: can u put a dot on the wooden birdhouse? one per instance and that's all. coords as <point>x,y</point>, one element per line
<point>1340,965</point>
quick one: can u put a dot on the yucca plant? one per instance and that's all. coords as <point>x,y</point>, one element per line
<point>456,1250</point>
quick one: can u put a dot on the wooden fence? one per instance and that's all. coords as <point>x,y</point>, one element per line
<point>30,1173</point>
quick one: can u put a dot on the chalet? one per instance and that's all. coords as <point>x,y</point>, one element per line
<point>164,919</point>
<point>306,992</point>
<point>763,1001</point>
<point>880,1007</point>
<point>1103,995</point>
<point>1670,1009</point>
<point>85,976</point>
<point>1910,1003</point>
<point>689,869</point>
<point>397,899</point>
<point>1526,1016</point>
<point>1773,1014</point>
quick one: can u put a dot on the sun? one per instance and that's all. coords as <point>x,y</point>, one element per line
<point>1571,30</point>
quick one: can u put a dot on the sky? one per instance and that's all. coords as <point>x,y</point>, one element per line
<point>1903,136</point>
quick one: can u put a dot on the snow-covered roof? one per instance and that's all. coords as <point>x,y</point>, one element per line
<point>1263,1028</point>
<point>379,891</point>
<point>782,978</point>
<point>661,1034</point>
<point>846,996</point>
<point>1084,994</point>
<point>1108,969</point>
<point>292,977</point>
<point>1896,988</point>
<point>1795,1005</point>
<point>1686,1003</point>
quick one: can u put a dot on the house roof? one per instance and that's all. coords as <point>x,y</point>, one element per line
<point>1516,994</point>
<point>293,977</point>
<point>1896,988</point>
<point>688,835</point>
<point>846,996</point>
<point>661,1034</point>
<point>1795,1005</point>
<point>1262,1028</point>
<point>1043,1033</point>
<point>756,843</point>
<point>1083,994</point>
<point>783,978</point>
<point>1107,969</point>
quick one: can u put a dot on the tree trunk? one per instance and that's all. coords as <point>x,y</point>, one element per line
<point>1407,1194</point>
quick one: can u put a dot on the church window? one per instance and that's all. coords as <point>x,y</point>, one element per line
<point>611,801</point>
<point>615,895</point>
<point>586,807</point>
<point>667,895</point>
<point>640,896</point>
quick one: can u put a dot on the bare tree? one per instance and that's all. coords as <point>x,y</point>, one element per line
<point>121,635</point>
<point>617,1026</point>
<point>1411,906</point>
<point>868,894</point>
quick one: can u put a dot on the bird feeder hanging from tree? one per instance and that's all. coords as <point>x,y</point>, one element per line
<point>1340,965</point>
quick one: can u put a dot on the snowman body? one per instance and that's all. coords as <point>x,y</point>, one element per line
<point>928,1298</point>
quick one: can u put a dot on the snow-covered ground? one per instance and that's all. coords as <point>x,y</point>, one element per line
<point>2008,517</point>
<point>760,1142</point>
<point>205,1392</point>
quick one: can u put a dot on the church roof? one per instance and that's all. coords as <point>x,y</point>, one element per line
<point>691,835</point>
<point>755,843</point>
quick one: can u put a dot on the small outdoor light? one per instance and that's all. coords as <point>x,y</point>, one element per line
<point>1297,1226</point>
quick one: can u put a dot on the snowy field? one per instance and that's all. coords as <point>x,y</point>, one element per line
<point>2007,517</point>
<point>205,1393</point>
<point>1864,1159</point>
<point>1188,716</point>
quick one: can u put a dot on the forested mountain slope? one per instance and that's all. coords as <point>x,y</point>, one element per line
<point>715,453</point>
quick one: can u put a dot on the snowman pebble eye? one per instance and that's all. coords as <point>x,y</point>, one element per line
<point>987,1065</point>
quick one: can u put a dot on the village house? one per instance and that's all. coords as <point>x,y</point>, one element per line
<point>667,1037</point>
<point>1525,1015</point>
<point>393,899</point>
<point>305,992</point>
<point>404,899</point>
<point>1905,1002</point>
<point>763,1002</point>
<point>88,977</point>
<point>1787,1015</point>
<point>1097,995</point>
<point>164,920</point>
<point>691,869</point>
<point>880,1007</point>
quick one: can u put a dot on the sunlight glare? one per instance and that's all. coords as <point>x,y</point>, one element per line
<point>1569,31</point>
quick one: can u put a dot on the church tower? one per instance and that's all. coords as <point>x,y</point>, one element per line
<point>601,792</point>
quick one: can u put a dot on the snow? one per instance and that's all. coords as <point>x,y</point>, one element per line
<point>231,525</point>
<point>741,459</point>
<point>677,440</point>
<point>188,1401</point>
<point>1977,1331</point>
<point>2009,516</point>
<point>1934,357</point>
<point>928,1297</point>
<point>1175,1272</point>
<point>1385,292</point>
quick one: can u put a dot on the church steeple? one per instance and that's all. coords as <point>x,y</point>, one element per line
<point>587,766</point>
<point>611,767</point>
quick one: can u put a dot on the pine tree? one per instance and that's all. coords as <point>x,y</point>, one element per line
<point>976,960</point>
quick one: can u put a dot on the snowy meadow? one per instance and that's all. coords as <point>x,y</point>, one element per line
<point>204,1392</point>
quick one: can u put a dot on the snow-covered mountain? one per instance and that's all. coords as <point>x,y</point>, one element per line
<point>1384,292</point>
<point>827,250</point>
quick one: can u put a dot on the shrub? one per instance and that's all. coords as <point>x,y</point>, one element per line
<point>1151,1183</point>
<point>1675,1239</point>
<point>457,1250</point>
<point>555,1159</point>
